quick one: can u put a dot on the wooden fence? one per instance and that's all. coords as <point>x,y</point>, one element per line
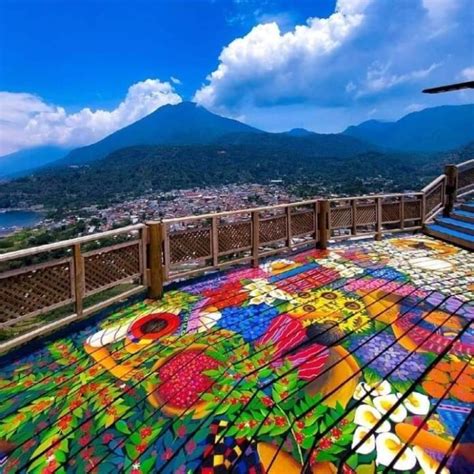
<point>148,255</point>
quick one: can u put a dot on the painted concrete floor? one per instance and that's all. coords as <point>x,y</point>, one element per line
<point>353,360</point>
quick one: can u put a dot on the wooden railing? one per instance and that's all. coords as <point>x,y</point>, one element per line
<point>67,274</point>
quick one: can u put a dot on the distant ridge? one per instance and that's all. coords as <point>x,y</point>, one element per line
<point>25,161</point>
<point>182,124</point>
<point>430,130</point>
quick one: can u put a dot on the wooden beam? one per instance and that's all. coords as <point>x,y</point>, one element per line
<point>155,259</point>
<point>323,224</point>
<point>378,210</point>
<point>215,241</point>
<point>79,279</point>
<point>451,172</point>
<point>255,238</point>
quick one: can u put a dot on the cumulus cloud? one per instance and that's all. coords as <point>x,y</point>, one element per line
<point>467,74</point>
<point>366,52</point>
<point>26,120</point>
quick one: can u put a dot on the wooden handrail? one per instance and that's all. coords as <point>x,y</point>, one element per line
<point>248,210</point>
<point>433,183</point>
<point>465,165</point>
<point>68,243</point>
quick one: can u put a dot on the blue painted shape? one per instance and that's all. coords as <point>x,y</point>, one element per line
<point>293,272</point>
<point>458,223</point>
<point>451,232</point>
<point>460,212</point>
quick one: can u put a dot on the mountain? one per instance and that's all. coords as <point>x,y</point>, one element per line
<point>182,124</point>
<point>24,161</point>
<point>299,132</point>
<point>431,130</point>
<point>330,145</point>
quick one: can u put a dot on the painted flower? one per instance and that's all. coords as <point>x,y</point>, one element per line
<point>368,445</point>
<point>452,376</point>
<point>250,321</point>
<point>385,403</point>
<point>274,267</point>
<point>376,389</point>
<point>427,463</point>
<point>261,292</point>
<point>384,356</point>
<point>389,447</point>
<point>367,416</point>
<point>417,403</point>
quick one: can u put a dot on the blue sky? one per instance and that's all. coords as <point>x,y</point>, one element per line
<point>73,71</point>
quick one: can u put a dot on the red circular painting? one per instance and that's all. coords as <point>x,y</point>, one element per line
<point>153,326</point>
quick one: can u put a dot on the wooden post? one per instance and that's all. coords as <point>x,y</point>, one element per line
<point>323,224</point>
<point>316,223</point>
<point>79,279</point>
<point>255,238</point>
<point>354,216</point>
<point>215,241</point>
<point>402,212</point>
<point>451,172</point>
<point>288,227</point>
<point>378,217</point>
<point>155,259</point>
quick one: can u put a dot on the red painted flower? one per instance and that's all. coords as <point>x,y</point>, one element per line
<point>145,432</point>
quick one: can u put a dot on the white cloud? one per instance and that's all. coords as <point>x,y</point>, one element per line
<point>379,78</point>
<point>368,54</point>
<point>268,63</point>
<point>175,80</point>
<point>27,120</point>
<point>467,74</point>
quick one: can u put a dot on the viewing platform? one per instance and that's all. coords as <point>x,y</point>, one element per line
<point>325,336</point>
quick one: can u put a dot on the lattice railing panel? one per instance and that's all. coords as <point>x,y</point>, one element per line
<point>237,235</point>
<point>272,229</point>
<point>106,267</point>
<point>34,289</point>
<point>434,198</point>
<point>366,214</point>
<point>391,212</point>
<point>302,223</point>
<point>465,178</point>
<point>341,217</point>
<point>412,210</point>
<point>190,244</point>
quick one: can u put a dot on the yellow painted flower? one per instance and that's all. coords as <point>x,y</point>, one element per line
<point>388,448</point>
<point>260,291</point>
<point>427,463</point>
<point>376,389</point>
<point>369,444</point>
<point>385,403</point>
<point>436,426</point>
<point>417,403</point>
<point>276,267</point>
<point>368,417</point>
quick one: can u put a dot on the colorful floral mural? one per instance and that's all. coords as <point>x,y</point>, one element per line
<point>353,360</point>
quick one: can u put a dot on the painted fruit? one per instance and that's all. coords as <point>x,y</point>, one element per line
<point>182,381</point>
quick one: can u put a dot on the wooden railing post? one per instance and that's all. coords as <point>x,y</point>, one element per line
<point>402,212</point>
<point>79,279</point>
<point>378,209</point>
<point>155,259</point>
<point>215,241</point>
<point>255,238</point>
<point>354,217</point>
<point>451,172</point>
<point>323,224</point>
<point>316,222</point>
<point>288,227</point>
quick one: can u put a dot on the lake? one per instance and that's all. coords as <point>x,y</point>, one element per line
<point>11,220</point>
